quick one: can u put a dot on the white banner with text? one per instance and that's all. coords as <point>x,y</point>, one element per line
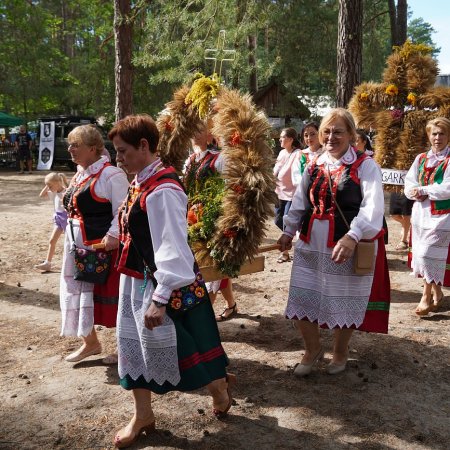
<point>393,176</point>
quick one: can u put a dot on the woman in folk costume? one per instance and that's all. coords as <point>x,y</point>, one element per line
<point>324,290</point>
<point>310,137</point>
<point>92,201</point>
<point>167,336</point>
<point>204,163</point>
<point>428,183</point>
<point>287,161</point>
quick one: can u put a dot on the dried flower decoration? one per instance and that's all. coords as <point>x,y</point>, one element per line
<point>239,189</point>
<point>364,96</point>
<point>168,126</point>
<point>228,233</point>
<point>412,99</point>
<point>397,114</point>
<point>391,90</point>
<point>409,49</point>
<point>235,139</point>
<point>203,90</point>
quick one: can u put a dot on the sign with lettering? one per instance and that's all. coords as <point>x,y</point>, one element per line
<point>393,176</point>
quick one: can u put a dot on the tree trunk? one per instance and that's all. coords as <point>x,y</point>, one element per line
<point>253,80</point>
<point>398,17</point>
<point>349,49</point>
<point>123,29</point>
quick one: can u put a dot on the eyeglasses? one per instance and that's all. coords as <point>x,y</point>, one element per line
<point>339,134</point>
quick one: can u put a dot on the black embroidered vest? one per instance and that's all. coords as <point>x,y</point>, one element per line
<point>199,170</point>
<point>136,248</point>
<point>94,213</point>
<point>347,192</point>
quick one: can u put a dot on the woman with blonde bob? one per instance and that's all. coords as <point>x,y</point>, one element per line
<point>92,201</point>
<point>428,183</point>
<point>324,290</point>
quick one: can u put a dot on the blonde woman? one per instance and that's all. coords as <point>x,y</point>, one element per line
<point>324,291</point>
<point>428,183</point>
<point>92,201</point>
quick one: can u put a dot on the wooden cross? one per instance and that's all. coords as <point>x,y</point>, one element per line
<point>220,54</point>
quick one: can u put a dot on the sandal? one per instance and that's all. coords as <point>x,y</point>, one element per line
<point>438,303</point>
<point>121,442</point>
<point>283,258</point>
<point>222,317</point>
<point>424,311</point>
<point>231,379</point>
<point>402,245</point>
<point>81,353</point>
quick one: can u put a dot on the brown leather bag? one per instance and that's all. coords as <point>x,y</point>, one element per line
<point>364,255</point>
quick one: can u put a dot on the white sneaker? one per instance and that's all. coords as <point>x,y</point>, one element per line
<point>45,266</point>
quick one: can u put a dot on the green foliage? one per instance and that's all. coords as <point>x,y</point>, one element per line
<point>376,40</point>
<point>52,59</point>
<point>420,32</point>
<point>57,56</point>
<point>207,194</point>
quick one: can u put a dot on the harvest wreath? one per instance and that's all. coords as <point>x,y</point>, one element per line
<point>227,214</point>
<point>399,107</point>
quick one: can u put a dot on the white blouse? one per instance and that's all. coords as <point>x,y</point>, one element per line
<point>434,191</point>
<point>219,164</point>
<point>166,212</point>
<point>369,221</point>
<point>57,199</point>
<point>112,184</point>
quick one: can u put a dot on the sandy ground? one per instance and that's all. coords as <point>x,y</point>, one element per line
<point>395,394</point>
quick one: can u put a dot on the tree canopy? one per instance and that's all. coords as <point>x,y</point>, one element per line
<point>57,56</point>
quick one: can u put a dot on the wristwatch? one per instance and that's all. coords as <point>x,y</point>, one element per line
<point>158,304</point>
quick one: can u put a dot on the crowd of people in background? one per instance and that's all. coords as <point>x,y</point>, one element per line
<point>330,199</point>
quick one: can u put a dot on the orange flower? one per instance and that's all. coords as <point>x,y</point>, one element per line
<point>238,188</point>
<point>364,96</point>
<point>229,233</point>
<point>391,90</point>
<point>235,139</point>
<point>168,126</point>
<point>191,217</point>
<point>176,303</point>
<point>412,98</point>
<point>199,292</point>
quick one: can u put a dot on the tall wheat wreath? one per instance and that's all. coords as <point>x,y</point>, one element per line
<point>248,194</point>
<point>400,107</point>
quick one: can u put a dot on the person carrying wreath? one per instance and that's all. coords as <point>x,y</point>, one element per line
<point>428,183</point>
<point>324,290</point>
<point>167,335</point>
<point>204,163</point>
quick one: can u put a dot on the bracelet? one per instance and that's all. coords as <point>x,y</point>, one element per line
<point>158,304</point>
